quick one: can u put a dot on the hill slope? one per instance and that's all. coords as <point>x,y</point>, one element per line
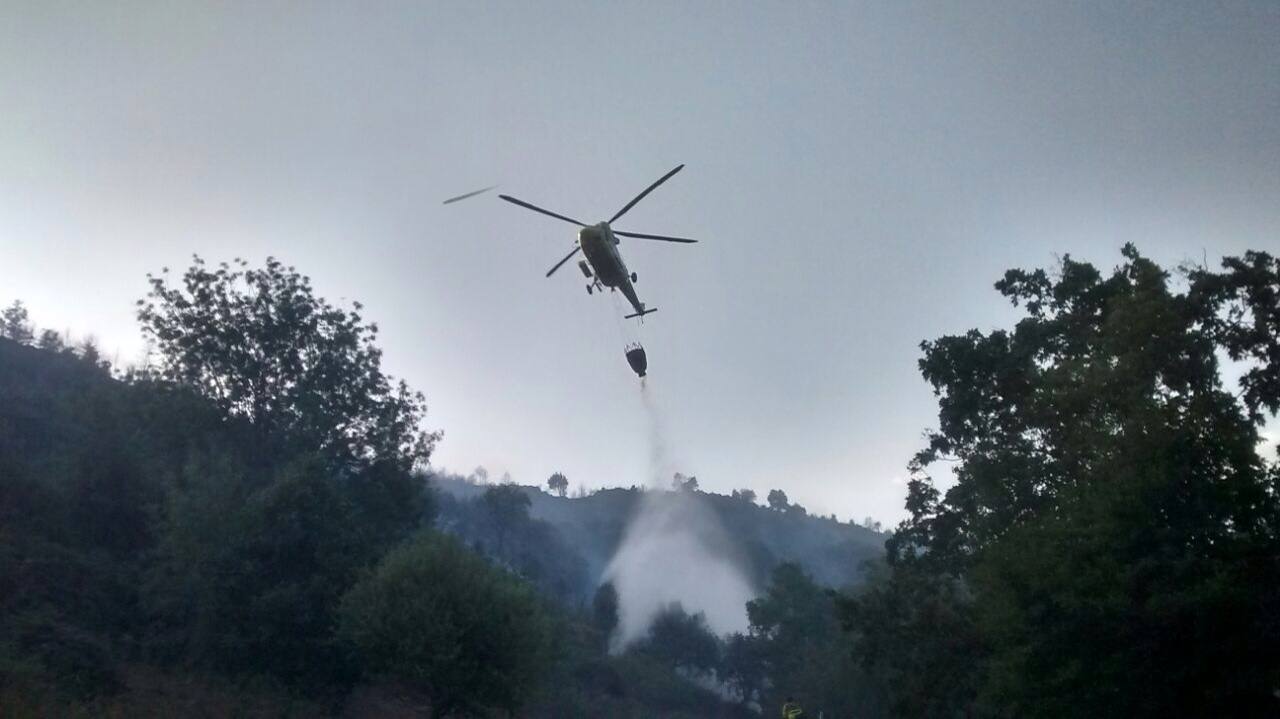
<point>759,538</point>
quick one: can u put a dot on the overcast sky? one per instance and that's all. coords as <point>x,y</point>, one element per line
<point>859,175</point>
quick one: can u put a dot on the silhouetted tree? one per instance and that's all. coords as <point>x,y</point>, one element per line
<point>1240,310</point>
<point>90,354</point>
<point>1106,543</point>
<point>681,483</point>
<point>746,495</point>
<point>777,499</point>
<point>263,346</point>
<point>558,483</point>
<point>50,341</point>
<point>15,324</point>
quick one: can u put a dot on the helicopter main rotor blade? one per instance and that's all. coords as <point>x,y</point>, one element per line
<point>535,208</point>
<point>664,238</point>
<point>469,194</point>
<point>566,259</point>
<point>640,196</point>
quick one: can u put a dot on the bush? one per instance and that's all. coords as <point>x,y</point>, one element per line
<point>440,617</point>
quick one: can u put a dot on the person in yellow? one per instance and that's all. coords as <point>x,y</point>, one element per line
<point>791,709</point>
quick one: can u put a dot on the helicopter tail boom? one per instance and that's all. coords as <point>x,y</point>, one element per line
<point>641,313</point>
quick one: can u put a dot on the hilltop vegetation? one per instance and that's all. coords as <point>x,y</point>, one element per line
<point>248,525</point>
<point>573,538</point>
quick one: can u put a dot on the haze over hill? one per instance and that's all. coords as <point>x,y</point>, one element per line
<point>733,537</point>
<point>592,526</point>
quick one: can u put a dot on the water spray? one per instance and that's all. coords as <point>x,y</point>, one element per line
<point>673,550</point>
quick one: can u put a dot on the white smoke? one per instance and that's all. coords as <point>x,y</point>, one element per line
<point>674,550</point>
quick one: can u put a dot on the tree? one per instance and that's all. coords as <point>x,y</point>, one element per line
<point>681,483</point>
<point>558,483</point>
<point>50,341</point>
<point>742,667</point>
<point>604,610</point>
<point>1111,525</point>
<point>15,324</point>
<point>260,344</point>
<point>777,500</point>
<point>914,632</point>
<point>91,355</point>
<point>497,523</point>
<point>746,495</point>
<point>682,640</point>
<point>1240,310</point>
<point>249,568</point>
<point>439,617</point>
<point>508,509</point>
<point>794,634</point>
<point>309,479</point>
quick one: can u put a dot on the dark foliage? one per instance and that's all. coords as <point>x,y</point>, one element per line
<point>1110,545</point>
<point>224,513</point>
<point>794,649</point>
<point>590,528</point>
<point>436,615</point>
<point>682,641</point>
<point>558,483</point>
<point>497,524</point>
<point>604,610</point>
<point>144,519</point>
<point>15,323</point>
<point>260,345</point>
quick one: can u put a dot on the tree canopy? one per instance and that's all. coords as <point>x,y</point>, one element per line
<point>1108,540</point>
<point>260,344</point>
<point>15,323</point>
<point>441,617</point>
<point>558,483</point>
<point>777,500</point>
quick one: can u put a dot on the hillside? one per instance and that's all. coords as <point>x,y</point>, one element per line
<point>158,553</point>
<point>759,538</point>
<point>152,561</point>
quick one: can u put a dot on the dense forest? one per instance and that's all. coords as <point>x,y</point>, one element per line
<point>247,524</point>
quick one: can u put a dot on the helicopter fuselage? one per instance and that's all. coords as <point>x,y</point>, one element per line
<point>600,246</point>
<point>599,243</point>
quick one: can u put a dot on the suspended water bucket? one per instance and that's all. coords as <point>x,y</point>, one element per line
<point>637,359</point>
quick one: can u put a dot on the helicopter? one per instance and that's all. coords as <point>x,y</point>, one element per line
<point>599,244</point>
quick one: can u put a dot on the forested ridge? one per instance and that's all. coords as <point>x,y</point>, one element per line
<point>248,524</point>
<point>581,533</point>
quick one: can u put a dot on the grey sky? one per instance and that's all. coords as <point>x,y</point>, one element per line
<point>859,175</point>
